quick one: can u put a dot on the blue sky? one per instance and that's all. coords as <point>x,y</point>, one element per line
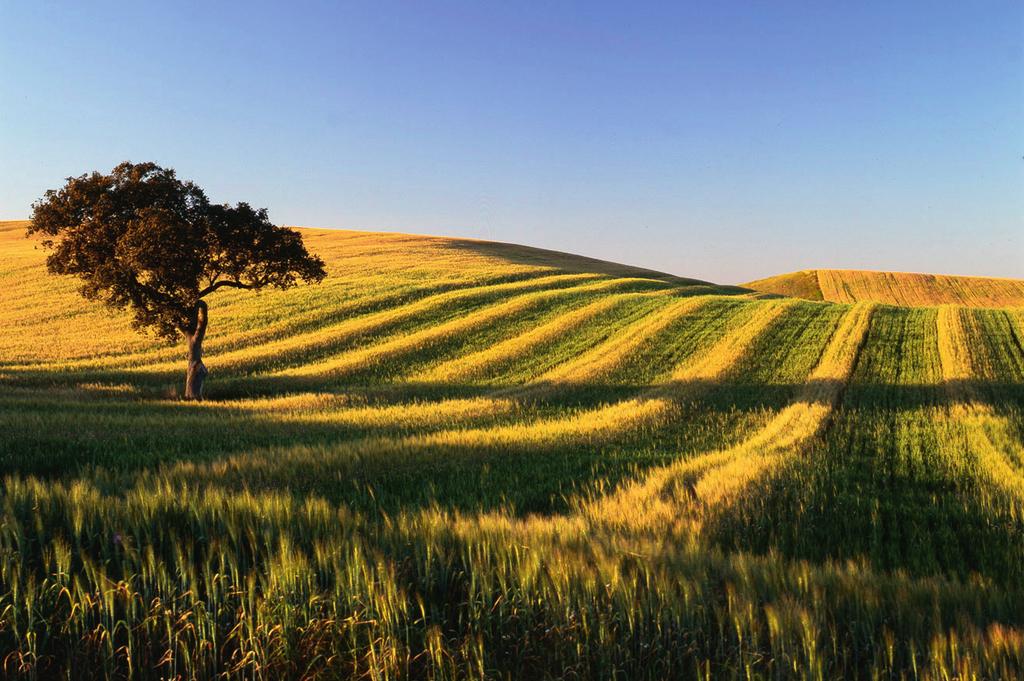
<point>726,141</point>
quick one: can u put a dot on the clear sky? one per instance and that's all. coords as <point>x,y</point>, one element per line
<point>721,140</point>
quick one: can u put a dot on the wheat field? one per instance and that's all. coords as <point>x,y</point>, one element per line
<point>894,288</point>
<point>457,459</point>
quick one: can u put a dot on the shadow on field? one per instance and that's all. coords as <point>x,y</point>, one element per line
<point>311,450</point>
<point>51,431</point>
<point>924,520</point>
<point>378,385</point>
<point>571,263</point>
<point>898,491</point>
<point>56,431</point>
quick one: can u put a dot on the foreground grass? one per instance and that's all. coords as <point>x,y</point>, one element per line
<point>466,460</point>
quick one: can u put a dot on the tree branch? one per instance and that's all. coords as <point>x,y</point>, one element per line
<point>221,284</point>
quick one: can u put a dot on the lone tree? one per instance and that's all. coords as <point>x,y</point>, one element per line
<point>141,238</point>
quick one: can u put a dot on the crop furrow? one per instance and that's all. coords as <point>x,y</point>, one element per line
<point>472,365</point>
<point>588,427</point>
<point>338,408</point>
<point>301,347</point>
<point>362,357</point>
<point>599,361</point>
<point>988,438</point>
<point>677,496</point>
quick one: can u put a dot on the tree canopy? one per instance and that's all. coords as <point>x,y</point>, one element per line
<point>142,239</point>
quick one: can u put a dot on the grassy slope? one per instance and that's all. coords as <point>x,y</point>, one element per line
<point>458,458</point>
<point>894,288</point>
<point>803,284</point>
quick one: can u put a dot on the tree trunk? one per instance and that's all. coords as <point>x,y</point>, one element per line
<point>196,369</point>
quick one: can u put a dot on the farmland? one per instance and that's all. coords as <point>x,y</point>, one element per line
<point>462,459</point>
<point>894,288</point>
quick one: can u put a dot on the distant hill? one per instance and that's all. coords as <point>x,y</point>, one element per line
<point>412,246</point>
<point>894,288</point>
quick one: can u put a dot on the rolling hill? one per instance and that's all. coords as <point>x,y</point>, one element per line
<point>894,288</point>
<point>463,459</point>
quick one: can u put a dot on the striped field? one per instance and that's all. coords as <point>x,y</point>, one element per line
<point>894,288</point>
<point>459,459</point>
